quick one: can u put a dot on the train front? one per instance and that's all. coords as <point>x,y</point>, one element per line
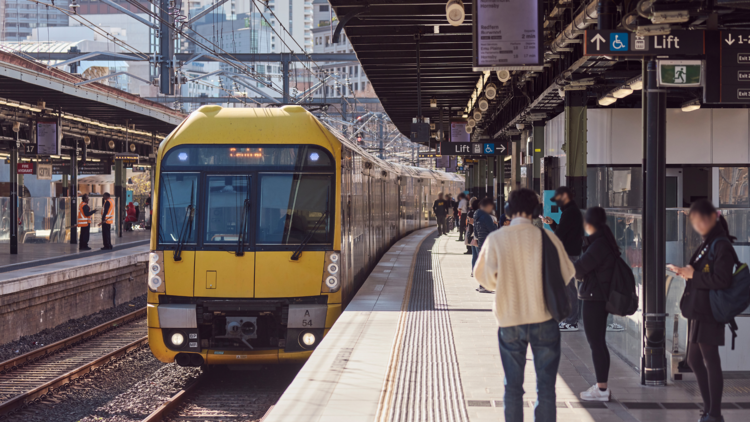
<point>244,267</point>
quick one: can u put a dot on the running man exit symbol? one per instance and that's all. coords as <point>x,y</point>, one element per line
<point>618,41</point>
<point>680,74</point>
<point>489,148</point>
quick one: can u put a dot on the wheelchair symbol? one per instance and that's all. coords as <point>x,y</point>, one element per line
<point>618,41</point>
<point>489,148</point>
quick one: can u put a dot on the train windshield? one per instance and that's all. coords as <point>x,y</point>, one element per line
<point>177,201</point>
<point>225,209</point>
<point>294,207</point>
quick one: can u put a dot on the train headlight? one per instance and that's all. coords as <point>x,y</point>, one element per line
<point>335,257</point>
<point>308,339</point>
<point>332,283</point>
<point>333,268</point>
<point>154,269</point>
<point>153,257</point>
<point>177,339</point>
<point>154,283</point>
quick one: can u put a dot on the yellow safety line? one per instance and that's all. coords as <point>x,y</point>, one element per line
<point>386,395</point>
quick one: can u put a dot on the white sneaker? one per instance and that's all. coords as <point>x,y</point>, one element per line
<point>595,394</point>
<point>615,327</point>
<point>564,326</point>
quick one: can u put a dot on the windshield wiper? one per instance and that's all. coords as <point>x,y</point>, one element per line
<point>187,228</point>
<point>298,251</point>
<point>243,228</point>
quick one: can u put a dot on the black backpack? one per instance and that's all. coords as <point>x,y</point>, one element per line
<point>733,301</point>
<point>622,299</point>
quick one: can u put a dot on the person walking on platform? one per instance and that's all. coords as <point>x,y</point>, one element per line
<point>463,209</point>
<point>510,263</point>
<point>484,224</point>
<point>84,222</point>
<point>596,268</point>
<point>570,232</point>
<point>470,232</point>
<point>440,209</point>
<point>711,268</point>
<point>108,219</point>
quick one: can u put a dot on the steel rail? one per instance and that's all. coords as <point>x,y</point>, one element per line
<point>37,356</point>
<point>174,402</point>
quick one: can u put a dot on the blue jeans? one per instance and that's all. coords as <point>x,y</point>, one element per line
<point>544,338</point>
<point>474,256</point>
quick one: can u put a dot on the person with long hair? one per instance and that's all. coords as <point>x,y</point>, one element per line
<point>596,267</point>
<point>706,272</point>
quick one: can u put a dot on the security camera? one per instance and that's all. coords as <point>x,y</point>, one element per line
<point>454,12</point>
<point>503,75</point>
<point>477,115</point>
<point>490,91</point>
<point>483,104</point>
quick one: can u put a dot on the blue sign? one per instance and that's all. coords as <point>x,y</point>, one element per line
<point>489,148</point>
<point>618,41</point>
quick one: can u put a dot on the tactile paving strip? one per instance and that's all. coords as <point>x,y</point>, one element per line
<point>427,383</point>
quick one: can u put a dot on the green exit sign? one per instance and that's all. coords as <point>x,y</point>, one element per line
<point>680,73</point>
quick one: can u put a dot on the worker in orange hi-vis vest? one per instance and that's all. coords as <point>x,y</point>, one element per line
<point>84,222</point>
<point>108,219</point>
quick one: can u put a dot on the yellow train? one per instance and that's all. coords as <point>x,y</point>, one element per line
<point>265,225</point>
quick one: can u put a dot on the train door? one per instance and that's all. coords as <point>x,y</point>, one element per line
<point>225,267</point>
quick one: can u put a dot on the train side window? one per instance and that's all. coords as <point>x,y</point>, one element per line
<point>178,200</point>
<point>293,206</point>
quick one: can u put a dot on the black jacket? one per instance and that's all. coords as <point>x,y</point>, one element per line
<point>483,226</point>
<point>570,228</point>
<point>595,267</point>
<point>717,275</point>
<point>440,208</point>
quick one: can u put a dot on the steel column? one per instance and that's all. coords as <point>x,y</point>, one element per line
<point>285,59</point>
<point>500,189</point>
<point>537,154</point>
<point>14,197</point>
<point>654,234</point>
<point>575,144</point>
<point>74,193</point>
<point>166,49</point>
<point>120,194</point>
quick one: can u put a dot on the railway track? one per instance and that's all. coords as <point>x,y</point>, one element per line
<point>224,395</point>
<point>35,374</point>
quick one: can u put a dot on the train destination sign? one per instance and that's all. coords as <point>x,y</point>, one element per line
<point>624,43</point>
<point>507,34</point>
<point>472,148</point>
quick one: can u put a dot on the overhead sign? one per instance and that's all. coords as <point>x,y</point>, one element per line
<point>507,34</point>
<point>48,137</point>
<point>127,157</point>
<point>44,171</point>
<point>25,168</point>
<point>728,68</point>
<point>624,43</point>
<point>428,155</point>
<point>472,148</point>
<point>458,132</point>
<point>420,133</point>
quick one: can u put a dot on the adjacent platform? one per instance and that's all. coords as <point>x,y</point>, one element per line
<point>418,343</point>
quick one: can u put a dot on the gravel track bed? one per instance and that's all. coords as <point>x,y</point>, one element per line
<point>127,390</point>
<point>67,329</point>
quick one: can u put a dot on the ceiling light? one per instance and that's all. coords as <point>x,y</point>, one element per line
<point>606,100</point>
<point>471,123</point>
<point>454,12</point>
<point>636,84</point>
<point>433,103</point>
<point>561,93</point>
<point>483,104</point>
<point>622,91</point>
<point>464,115</point>
<point>520,126</point>
<point>503,75</point>
<point>132,147</point>
<point>490,91</point>
<point>86,140</point>
<point>670,16</point>
<point>477,115</point>
<point>691,105</point>
<point>469,129</point>
<point>111,144</point>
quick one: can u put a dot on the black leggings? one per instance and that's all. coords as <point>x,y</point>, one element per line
<point>595,325</point>
<point>705,362</point>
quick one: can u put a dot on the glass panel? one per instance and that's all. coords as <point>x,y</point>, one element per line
<point>293,206</point>
<point>733,187</point>
<point>178,195</point>
<point>225,208</point>
<point>297,156</point>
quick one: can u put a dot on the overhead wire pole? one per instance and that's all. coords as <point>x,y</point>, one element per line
<point>165,50</point>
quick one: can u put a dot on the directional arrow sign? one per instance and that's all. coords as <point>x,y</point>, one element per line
<point>598,39</point>
<point>623,43</point>
<point>473,148</point>
<point>727,67</point>
<point>729,40</point>
<point>500,148</point>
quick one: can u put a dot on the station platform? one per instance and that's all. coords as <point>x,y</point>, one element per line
<point>418,343</point>
<point>36,254</point>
